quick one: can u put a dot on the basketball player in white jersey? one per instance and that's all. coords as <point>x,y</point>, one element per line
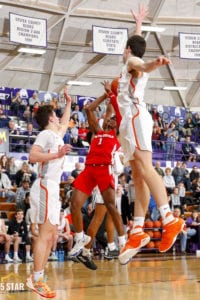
<point>49,151</point>
<point>135,138</point>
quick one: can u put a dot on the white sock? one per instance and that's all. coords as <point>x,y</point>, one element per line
<point>122,240</point>
<point>38,275</point>
<point>112,246</point>
<point>16,255</point>
<point>164,211</point>
<point>27,253</point>
<point>79,235</point>
<point>85,251</point>
<point>7,256</point>
<point>138,223</point>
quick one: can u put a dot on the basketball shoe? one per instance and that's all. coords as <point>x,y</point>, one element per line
<point>87,261</point>
<point>79,244</point>
<point>40,287</point>
<point>169,233</point>
<point>133,245</point>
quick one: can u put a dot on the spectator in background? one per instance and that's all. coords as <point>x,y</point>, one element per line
<point>16,102</point>
<point>168,181</point>
<point>83,131</point>
<point>4,120</point>
<point>188,127</point>
<point>158,169</point>
<point>175,199</point>
<point>193,222</point>
<point>156,138</point>
<point>77,111</point>
<point>27,114</point>
<point>4,163</point>
<point>77,170</point>
<point>186,177</point>
<point>172,137</point>
<point>188,149</point>
<point>178,172</point>
<point>21,194</point>
<point>17,228</point>
<point>13,131</point>
<point>194,174</point>
<point>6,240</point>
<point>5,187</point>
<point>25,172</point>
<point>196,188</point>
<point>12,170</point>
<point>35,109</point>
<point>33,100</point>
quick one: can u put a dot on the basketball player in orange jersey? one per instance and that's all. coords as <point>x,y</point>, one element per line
<point>135,138</point>
<point>98,171</point>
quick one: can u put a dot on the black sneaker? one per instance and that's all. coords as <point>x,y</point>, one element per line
<point>111,254</point>
<point>87,261</point>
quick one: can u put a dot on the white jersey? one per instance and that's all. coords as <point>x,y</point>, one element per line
<point>50,141</point>
<point>136,124</point>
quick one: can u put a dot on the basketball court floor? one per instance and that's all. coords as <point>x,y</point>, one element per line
<point>147,277</point>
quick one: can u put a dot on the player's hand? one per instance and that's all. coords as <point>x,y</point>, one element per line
<point>107,86</point>
<point>65,149</point>
<point>142,13</point>
<point>162,60</point>
<point>67,96</point>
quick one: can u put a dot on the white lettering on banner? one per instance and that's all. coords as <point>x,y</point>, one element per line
<point>109,40</point>
<point>27,30</point>
<point>189,44</point>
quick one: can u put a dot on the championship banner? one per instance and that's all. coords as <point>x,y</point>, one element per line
<point>4,140</point>
<point>109,40</point>
<point>29,31</point>
<point>189,45</point>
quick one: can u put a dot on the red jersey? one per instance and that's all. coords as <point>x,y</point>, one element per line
<point>113,100</point>
<point>102,148</point>
<point>82,133</point>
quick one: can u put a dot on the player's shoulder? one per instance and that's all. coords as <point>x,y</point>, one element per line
<point>134,60</point>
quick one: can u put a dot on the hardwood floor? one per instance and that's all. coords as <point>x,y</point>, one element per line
<point>148,276</point>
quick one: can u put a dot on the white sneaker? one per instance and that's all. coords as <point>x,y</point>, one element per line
<point>29,259</point>
<point>8,259</point>
<point>53,257</point>
<point>78,246</point>
<point>17,260</point>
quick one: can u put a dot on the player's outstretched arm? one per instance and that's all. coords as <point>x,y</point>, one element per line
<point>139,17</point>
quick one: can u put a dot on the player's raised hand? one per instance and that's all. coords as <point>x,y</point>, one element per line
<point>107,86</point>
<point>142,13</point>
<point>67,96</point>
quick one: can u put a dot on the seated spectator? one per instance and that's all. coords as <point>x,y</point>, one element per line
<point>31,135</point>
<point>186,177</point>
<point>64,233</point>
<point>188,127</point>
<point>22,193</point>
<point>4,119</point>
<point>169,181</point>
<point>33,100</point>
<point>80,115</point>
<point>35,109</point>
<point>186,233</point>
<point>5,187</point>
<point>83,131</point>
<point>77,170</point>
<point>13,141</point>
<point>12,170</point>
<point>6,240</point>
<point>188,149</point>
<point>196,188</point>
<point>193,222</point>
<point>17,228</point>
<point>4,163</point>
<point>25,171</point>
<point>194,174</point>
<point>158,169</point>
<point>175,199</point>
<point>27,115</point>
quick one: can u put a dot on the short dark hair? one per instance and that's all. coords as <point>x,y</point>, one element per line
<point>137,45</point>
<point>43,114</point>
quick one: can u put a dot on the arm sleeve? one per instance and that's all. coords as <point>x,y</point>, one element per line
<point>113,100</point>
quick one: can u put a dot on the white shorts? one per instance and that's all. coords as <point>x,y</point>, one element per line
<point>135,130</point>
<point>45,203</point>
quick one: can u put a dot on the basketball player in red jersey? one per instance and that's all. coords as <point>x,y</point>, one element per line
<point>98,172</point>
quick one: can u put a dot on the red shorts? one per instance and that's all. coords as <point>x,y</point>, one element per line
<point>95,175</point>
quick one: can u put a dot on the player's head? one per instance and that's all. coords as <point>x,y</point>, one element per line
<point>46,115</point>
<point>137,45</point>
<point>110,123</point>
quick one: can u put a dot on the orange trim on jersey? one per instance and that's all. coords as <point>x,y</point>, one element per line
<point>134,130</point>
<point>46,198</point>
<point>132,84</point>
